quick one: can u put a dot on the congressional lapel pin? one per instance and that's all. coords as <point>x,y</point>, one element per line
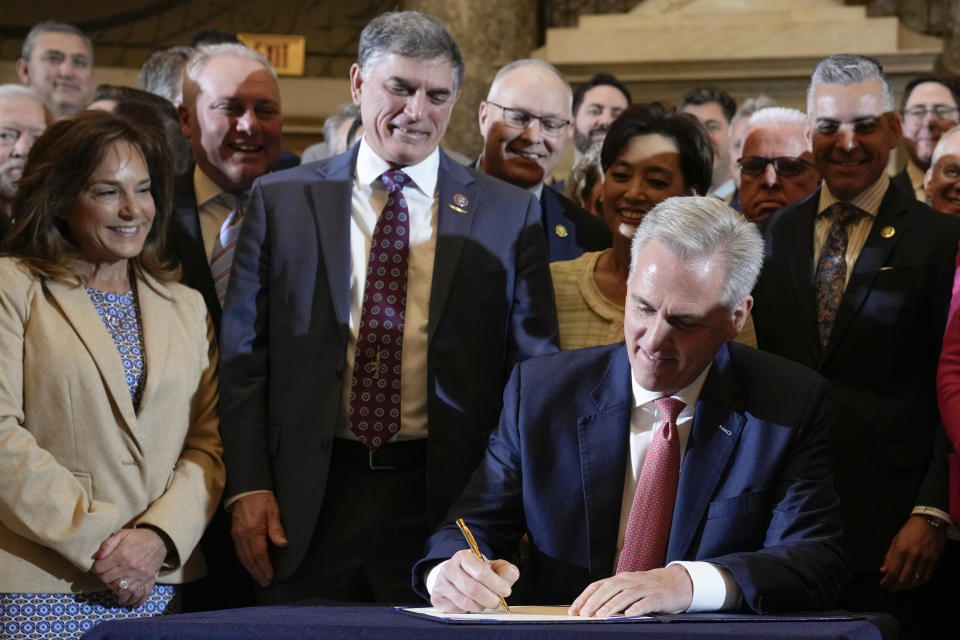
<point>887,232</point>
<point>459,203</point>
<point>725,430</point>
<point>561,230</point>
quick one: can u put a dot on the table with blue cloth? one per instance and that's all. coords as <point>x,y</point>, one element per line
<point>385,623</point>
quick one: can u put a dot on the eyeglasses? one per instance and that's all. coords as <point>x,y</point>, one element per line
<point>754,166</point>
<point>938,111</point>
<point>520,119</point>
<point>9,137</point>
<point>949,171</point>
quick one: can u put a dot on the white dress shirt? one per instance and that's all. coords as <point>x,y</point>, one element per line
<point>714,588</point>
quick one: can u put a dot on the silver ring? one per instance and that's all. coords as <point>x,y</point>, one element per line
<point>123,584</point>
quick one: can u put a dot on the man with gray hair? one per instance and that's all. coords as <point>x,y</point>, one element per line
<point>856,285</point>
<point>56,61</point>
<point>377,301</point>
<point>736,134</point>
<point>335,130</point>
<point>23,117</point>
<point>668,473</point>
<point>525,123</point>
<point>162,73</point>
<point>775,166</point>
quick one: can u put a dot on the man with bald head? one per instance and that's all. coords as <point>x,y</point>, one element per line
<point>56,61</point>
<point>232,117</point>
<point>775,164</point>
<point>23,117</point>
<point>525,121</point>
<point>231,114</point>
<point>942,180</point>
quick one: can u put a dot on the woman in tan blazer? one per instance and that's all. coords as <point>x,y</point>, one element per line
<point>110,457</point>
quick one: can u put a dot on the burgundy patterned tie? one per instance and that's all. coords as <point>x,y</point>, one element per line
<point>648,527</point>
<point>375,390</point>
<point>831,275</point>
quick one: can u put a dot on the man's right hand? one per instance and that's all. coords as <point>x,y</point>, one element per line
<point>255,518</point>
<point>468,584</point>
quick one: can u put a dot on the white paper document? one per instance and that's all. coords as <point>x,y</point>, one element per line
<point>517,614</point>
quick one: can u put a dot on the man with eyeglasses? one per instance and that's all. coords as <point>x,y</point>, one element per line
<point>525,121</point>
<point>775,167</point>
<point>942,180</point>
<point>856,285</point>
<point>929,108</point>
<point>23,117</point>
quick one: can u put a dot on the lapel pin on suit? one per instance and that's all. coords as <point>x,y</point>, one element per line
<point>560,230</point>
<point>725,430</point>
<point>459,202</point>
<point>887,232</point>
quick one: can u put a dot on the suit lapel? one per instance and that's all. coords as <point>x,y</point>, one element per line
<point>456,187</point>
<point>75,305</point>
<point>604,440</point>
<point>330,202</point>
<point>156,337</point>
<point>876,250</point>
<point>717,426</point>
<point>188,242</point>
<point>801,268</point>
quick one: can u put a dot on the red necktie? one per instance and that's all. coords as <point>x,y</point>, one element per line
<point>648,527</point>
<point>375,390</point>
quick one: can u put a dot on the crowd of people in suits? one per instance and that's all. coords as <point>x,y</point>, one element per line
<point>721,373</point>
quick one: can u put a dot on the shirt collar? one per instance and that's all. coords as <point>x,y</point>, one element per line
<point>916,175</point>
<point>370,166</point>
<point>537,191</point>
<point>206,190</point>
<point>688,395</point>
<point>867,200</point>
<point>724,190</point>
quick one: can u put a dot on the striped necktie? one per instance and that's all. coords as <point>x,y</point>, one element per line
<point>224,246</point>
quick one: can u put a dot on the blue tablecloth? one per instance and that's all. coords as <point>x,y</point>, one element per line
<point>384,623</point>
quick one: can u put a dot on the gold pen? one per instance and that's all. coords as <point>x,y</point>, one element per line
<point>476,551</point>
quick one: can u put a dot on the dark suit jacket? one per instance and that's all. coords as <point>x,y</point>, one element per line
<point>902,181</point>
<point>755,495</point>
<point>285,332</point>
<point>186,245</point>
<point>881,358</point>
<point>571,230</point>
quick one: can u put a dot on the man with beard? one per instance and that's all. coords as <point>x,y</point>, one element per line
<point>596,103</point>
<point>23,117</point>
<point>525,121</point>
<point>929,108</point>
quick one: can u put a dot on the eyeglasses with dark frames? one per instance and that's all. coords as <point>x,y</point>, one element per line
<point>785,166</point>
<point>550,125</point>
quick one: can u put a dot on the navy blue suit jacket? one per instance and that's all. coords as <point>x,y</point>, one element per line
<point>755,495</point>
<point>881,358</point>
<point>285,332</point>
<point>571,230</point>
